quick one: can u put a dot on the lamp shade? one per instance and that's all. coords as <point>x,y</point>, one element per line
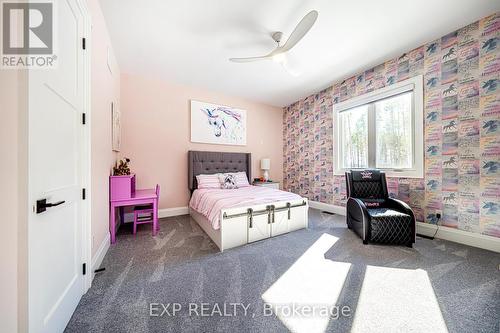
<point>265,164</point>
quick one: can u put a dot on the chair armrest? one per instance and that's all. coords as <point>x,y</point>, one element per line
<point>356,208</point>
<point>399,205</point>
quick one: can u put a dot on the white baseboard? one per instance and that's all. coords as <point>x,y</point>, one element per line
<point>166,212</point>
<point>453,235</point>
<point>459,236</point>
<point>174,211</point>
<point>327,207</point>
<point>99,255</point>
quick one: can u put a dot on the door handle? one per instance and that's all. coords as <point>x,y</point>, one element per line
<point>42,205</point>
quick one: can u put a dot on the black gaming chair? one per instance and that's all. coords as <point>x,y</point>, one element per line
<point>373,215</point>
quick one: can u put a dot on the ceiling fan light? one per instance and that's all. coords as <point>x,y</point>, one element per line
<point>279,58</point>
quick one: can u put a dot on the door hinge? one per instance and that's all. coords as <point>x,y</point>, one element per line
<point>83,194</point>
<point>83,43</point>
<point>83,118</point>
<point>84,268</point>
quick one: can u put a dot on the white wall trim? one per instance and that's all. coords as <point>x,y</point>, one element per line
<point>459,236</point>
<point>174,211</point>
<point>165,212</point>
<point>99,255</point>
<point>453,235</point>
<point>327,207</point>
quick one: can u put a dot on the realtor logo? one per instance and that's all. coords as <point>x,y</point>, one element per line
<point>27,34</point>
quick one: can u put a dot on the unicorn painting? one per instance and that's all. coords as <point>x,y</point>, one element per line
<point>212,123</point>
<point>217,118</point>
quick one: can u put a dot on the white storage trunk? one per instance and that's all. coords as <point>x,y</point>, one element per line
<point>236,229</point>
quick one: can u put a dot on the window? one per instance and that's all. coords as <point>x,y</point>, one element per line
<point>354,123</point>
<point>382,129</point>
<point>393,132</point>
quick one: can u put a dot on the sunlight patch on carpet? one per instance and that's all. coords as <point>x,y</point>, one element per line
<point>304,297</point>
<point>397,300</point>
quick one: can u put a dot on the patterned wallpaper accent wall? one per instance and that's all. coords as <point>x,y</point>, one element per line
<point>462,137</point>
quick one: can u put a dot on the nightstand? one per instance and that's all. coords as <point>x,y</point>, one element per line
<point>275,185</point>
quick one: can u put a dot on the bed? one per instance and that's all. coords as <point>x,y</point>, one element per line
<point>236,217</point>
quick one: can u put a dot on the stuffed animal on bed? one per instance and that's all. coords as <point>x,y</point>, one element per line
<point>227,181</point>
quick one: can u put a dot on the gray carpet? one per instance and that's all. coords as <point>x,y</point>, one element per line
<point>182,265</point>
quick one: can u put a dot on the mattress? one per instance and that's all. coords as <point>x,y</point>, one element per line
<point>210,202</point>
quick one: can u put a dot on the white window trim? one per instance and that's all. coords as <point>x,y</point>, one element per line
<point>414,84</point>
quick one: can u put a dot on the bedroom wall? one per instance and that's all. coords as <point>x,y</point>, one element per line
<point>156,134</point>
<point>105,89</point>
<point>13,199</point>
<point>462,138</point>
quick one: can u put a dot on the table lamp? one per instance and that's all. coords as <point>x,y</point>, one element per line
<point>265,164</point>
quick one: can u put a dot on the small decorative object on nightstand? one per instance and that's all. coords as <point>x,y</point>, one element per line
<point>269,183</point>
<point>265,164</point>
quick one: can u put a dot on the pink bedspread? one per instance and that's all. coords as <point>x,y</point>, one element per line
<point>209,202</point>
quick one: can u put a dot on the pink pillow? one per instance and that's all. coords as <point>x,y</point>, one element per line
<point>208,181</point>
<point>241,179</point>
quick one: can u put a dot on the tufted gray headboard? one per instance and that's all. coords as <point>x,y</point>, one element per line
<point>209,162</point>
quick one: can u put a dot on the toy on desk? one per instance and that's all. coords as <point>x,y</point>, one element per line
<point>121,168</point>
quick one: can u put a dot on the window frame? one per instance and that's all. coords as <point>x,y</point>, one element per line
<point>414,85</point>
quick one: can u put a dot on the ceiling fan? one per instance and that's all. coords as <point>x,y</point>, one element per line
<point>279,53</point>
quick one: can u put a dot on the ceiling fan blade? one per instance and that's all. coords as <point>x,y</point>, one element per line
<point>249,59</point>
<point>300,30</point>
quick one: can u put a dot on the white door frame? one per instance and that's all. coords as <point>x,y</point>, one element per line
<point>86,149</point>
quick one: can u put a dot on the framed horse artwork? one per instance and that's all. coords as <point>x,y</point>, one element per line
<point>218,124</point>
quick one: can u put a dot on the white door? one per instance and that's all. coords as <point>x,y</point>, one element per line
<point>56,157</point>
<point>280,223</point>
<point>260,228</point>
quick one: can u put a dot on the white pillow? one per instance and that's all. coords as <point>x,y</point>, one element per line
<point>241,179</point>
<point>208,181</point>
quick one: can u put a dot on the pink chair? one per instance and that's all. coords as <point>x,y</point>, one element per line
<point>145,214</point>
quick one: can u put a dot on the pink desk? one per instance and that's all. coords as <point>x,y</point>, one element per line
<point>134,198</point>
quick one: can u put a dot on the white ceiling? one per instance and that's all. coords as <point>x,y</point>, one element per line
<point>190,41</point>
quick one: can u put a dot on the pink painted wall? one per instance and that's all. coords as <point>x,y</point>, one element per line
<point>14,199</point>
<point>105,90</point>
<point>156,134</point>
<point>10,171</point>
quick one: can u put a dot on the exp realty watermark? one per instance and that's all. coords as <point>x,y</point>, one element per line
<point>28,34</point>
<point>227,309</point>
